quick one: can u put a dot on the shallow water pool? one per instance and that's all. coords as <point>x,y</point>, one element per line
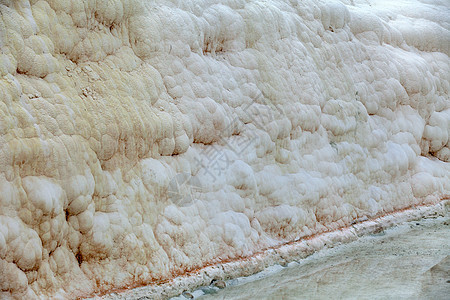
<point>409,261</point>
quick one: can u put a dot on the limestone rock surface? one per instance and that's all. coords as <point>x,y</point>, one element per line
<point>143,139</point>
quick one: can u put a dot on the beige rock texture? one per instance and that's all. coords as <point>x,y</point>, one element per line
<point>140,140</point>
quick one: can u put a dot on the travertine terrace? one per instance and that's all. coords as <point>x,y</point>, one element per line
<point>140,140</point>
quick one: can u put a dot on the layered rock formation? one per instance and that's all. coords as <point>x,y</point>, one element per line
<point>143,139</point>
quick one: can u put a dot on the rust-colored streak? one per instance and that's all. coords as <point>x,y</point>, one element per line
<point>194,271</point>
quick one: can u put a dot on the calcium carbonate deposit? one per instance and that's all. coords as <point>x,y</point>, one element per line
<point>141,140</point>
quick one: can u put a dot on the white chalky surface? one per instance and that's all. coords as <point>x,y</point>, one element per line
<point>143,139</point>
<point>411,261</point>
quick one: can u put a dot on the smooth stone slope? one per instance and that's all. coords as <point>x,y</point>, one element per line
<point>411,261</point>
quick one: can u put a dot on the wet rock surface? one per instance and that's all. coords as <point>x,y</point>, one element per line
<point>410,261</point>
<point>143,140</point>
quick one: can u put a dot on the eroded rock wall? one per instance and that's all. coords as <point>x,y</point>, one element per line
<point>143,139</point>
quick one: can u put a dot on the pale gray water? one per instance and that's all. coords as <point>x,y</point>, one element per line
<point>410,261</point>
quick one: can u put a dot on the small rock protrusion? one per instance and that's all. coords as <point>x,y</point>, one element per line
<point>187,295</point>
<point>219,283</point>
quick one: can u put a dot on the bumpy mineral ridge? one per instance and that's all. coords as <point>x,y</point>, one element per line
<point>143,139</point>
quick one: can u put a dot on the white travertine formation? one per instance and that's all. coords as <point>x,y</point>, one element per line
<point>144,139</point>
